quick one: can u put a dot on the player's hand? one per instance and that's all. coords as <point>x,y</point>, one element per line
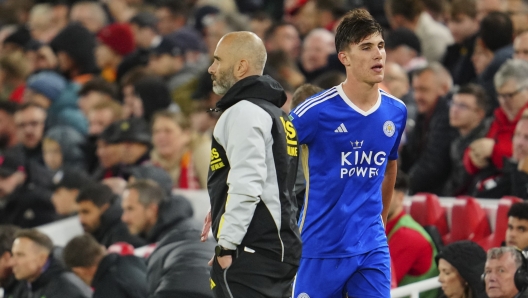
<point>206,228</point>
<point>224,261</point>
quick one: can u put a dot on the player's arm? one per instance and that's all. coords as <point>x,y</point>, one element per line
<point>387,187</point>
<point>247,130</point>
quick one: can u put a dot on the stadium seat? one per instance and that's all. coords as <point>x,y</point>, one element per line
<point>501,223</point>
<point>426,210</point>
<point>468,221</point>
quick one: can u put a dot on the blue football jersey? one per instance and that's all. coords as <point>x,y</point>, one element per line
<point>345,153</point>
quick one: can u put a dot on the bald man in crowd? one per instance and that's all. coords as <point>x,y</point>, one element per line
<point>253,167</point>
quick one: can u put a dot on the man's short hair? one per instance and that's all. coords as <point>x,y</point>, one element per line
<point>8,107</point>
<point>82,251</point>
<point>99,85</point>
<point>274,27</point>
<point>15,65</point>
<point>302,93</point>
<point>409,9</point>
<point>513,69</point>
<point>464,7</point>
<point>149,192</point>
<point>7,237</point>
<point>36,237</point>
<point>497,252</point>
<point>402,182</point>
<point>28,105</point>
<point>97,193</point>
<point>357,25</point>
<point>480,94</point>
<point>496,30</point>
<point>519,210</point>
<point>442,74</point>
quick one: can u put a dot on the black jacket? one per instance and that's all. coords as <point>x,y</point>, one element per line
<point>178,266</point>
<point>113,230</point>
<point>171,213</point>
<point>511,182</point>
<point>11,286</point>
<point>260,205</point>
<point>457,60</point>
<point>27,207</point>
<point>55,282</point>
<point>120,277</point>
<point>425,157</point>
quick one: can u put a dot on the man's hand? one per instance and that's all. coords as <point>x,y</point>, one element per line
<point>480,151</point>
<point>205,230</point>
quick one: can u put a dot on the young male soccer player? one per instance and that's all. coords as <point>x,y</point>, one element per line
<point>350,135</point>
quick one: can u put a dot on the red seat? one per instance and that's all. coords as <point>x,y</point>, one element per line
<point>426,210</point>
<point>468,221</point>
<point>501,223</point>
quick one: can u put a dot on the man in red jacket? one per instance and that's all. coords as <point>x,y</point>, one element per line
<point>485,156</point>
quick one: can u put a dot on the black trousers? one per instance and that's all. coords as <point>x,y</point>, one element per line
<point>253,276</point>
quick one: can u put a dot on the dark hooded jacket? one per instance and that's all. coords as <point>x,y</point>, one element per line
<point>173,212</point>
<point>54,282</point>
<point>154,94</point>
<point>113,230</point>
<point>178,266</point>
<point>267,204</point>
<point>120,277</point>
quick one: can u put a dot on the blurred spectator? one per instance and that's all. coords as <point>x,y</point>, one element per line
<point>121,11</point>
<point>218,25</point>
<point>485,156</point>
<point>16,40</point>
<point>134,136</point>
<point>109,274</point>
<point>43,273</point>
<point>151,214</point>
<point>464,26</point>
<point>518,12</point>
<point>303,16</point>
<point>100,216</point>
<point>484,7</point>
<point>41,23</point>
<point>461,265</point>
<point>329,12</point>
<point>316,48</point>
<point>397,81</point>
<point>501,265</point>
<point>90,14</point>
<point>94,92</point>
<point>172,16</point>
<point>437,9</point>
<point>7,280</point>
<point>403,48</point>
<point>520,46</point>
<point>145,97</point>
<point>74,47</point>
<point>115,42</point>
<point>467,112</point>
<point>109,153</point>
<point>68,183</point>
<point>22,202</point>
<point>495,40</point>
<point>14,70</point>
<point>284,69</point>
<point>412,263</point>
<point>51,91</point>
<point>151,172</point>
<point>329,79</point>
<point>260,23</point>
<point>434,37</point>
<point>517,232</point>
<point>8,130</point>
<point>283,36</point>
<point>184,154</point>
<point>101,115</point>
<point>29,120</point>
<point>425,156</point>
<point>62,147</point>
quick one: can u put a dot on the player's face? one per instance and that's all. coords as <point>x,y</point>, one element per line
<point>366,60</point>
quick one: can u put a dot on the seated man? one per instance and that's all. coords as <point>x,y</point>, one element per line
<point>100,216</point>
<point>517,232</point>
<point>68,183</point>
<point>7,279</point>
<point>109,274</point>
<point>501,265</point>
<point>43,274</point>
<point>414,262</point>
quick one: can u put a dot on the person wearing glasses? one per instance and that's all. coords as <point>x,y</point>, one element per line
<point>467,114</point>
<point>29,121</point>
<point>485,156</point>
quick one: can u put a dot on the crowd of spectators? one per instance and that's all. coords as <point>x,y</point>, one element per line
<point>107,107</point>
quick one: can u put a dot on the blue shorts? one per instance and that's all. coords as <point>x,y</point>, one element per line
<point>362,276</point>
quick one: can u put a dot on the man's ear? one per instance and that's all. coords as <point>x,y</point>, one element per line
<point>343,57</point>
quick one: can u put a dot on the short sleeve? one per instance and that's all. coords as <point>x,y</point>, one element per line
<point>305,123</point>
<point>401,128</point>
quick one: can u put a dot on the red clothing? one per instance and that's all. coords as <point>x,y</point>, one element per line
<point>501,130</point>
<point>17,94</point>
<point>410,252</point>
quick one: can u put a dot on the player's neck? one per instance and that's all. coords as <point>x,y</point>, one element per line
<point>363,95</point>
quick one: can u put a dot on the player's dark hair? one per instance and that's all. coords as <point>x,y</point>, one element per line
<point>519,210</point>
<point>357,25</point>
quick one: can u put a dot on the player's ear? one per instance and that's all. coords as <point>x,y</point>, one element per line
<point>343,57</point>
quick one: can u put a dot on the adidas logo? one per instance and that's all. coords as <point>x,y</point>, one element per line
<point>341,128</point>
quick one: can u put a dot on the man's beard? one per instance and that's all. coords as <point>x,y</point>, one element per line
<point>224,81</point>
